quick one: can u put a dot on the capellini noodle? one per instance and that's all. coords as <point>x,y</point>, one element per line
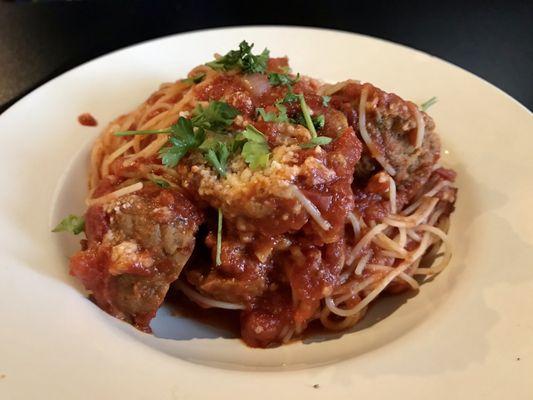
<point>195,191</point>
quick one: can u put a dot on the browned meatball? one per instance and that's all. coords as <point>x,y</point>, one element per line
<point>137,245</point>
<point>392,126</point>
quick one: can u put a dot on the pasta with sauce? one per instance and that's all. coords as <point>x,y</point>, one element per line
<point>253,189</point>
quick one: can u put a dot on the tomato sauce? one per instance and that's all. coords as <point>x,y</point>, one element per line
<point>283,242</point>
<point>87,119</point>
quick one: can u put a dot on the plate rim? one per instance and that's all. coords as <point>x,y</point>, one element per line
<point>268,26</point>
<point>97,59</point>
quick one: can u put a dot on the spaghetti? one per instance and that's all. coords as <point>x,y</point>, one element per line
<point>330,195</point>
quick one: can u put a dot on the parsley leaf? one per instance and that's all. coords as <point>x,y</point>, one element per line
<point>276,79</point>
<point>171,156</point>
<point>255,151</point>
<point>189,134</point>
<point>217,154</point>
<point>194,80</point>
<point>425,105</point>
<point>183,138</point>
<point>318,141</point>
<point>272,117</point>
<point>313,123</point>
<point>217,116</point>
<point>242,59</point>
<point>218,261</point>
<point>252,134</point>
<point>290,97</point>
<point>256,155</point>
<point>325,100</point>
<point>267,116</point>
<point>307,116</point>
<point>319,121</point>
<point>72,224</point>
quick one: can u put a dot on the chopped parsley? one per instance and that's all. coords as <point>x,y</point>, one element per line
<point>217,154</point>
<point>182,138</point>
<point>190,134</point>
<point>325,100</point>
<point>207,131</point>
<point>276,79</point>
<point>218,261</point>
<point>425,105</point>
<point>255,151</point>
<point>194,80</point>
<point>318,121</point>
<point>290,97</point>
<point>217,116</point>
<point>281,116</point>
<point>307,116</point>
<point>242,59</point>
<point>318,141</point>
<point>72,224</point>
<point>312,124</point>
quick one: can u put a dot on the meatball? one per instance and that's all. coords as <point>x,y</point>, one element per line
<point>392,126</point>
<point>136,246</point>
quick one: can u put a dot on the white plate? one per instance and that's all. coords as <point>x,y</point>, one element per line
<point>468,334</point>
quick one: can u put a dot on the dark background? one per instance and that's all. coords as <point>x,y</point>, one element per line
<point>40,40</point>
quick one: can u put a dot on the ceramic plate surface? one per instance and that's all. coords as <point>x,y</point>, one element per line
<point>467,334</point>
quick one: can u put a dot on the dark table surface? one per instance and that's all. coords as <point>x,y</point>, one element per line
<point>40,39</point>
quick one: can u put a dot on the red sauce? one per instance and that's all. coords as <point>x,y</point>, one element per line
<point>370,206</point>
<point>446,173</point>
<point>264,323</point>
<point>278,64</point>
<point>96,223</point>
<point>87,119</point>
<point>276,261</point>
<point>219,87</point>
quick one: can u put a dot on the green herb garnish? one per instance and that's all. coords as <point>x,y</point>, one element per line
<point>217,116</point>
<point>281,116</point>
<point>217,154</point>
<point>325,100</point>
<point>312,122</point>
<point>255,151</point>
<point>307,116</point>
<point>72,224</point>
<point>183,139</point>
<point>276,79</point>
<point>218,261</point>
<point>194,80</point>
<point>318,121</point>
<point>242,59</point>
<point>318,141</point>
<point>189,134</point>
<point>290,97</point>
<point>425,105</point>
<point>307,120</point>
